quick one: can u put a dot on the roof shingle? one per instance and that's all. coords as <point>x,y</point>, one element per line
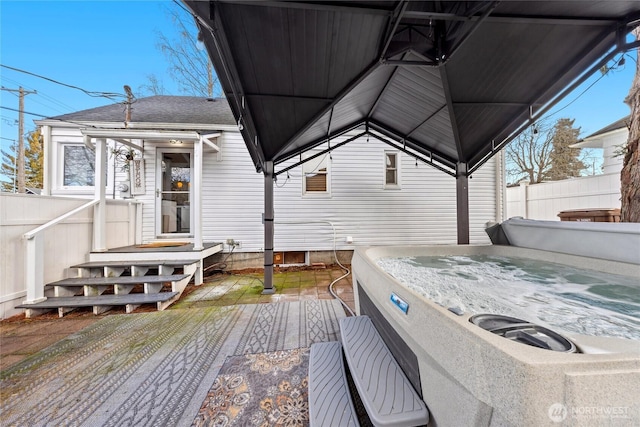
<point>161,109</point>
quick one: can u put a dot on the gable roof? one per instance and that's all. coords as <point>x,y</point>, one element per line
<point>160,109</point>
<point>620,124</point>
<point>594,140</point>
<point>451,81</point>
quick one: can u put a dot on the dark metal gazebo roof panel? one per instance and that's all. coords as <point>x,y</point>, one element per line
<point>455,80</point>
<point>293,61</point>
<point>351,110</point>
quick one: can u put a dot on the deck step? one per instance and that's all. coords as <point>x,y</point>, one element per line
<point>330,403</point>
<point>386,393</point>
<point>124,264</point>
<point>101,300</point>
<point>121,280</point>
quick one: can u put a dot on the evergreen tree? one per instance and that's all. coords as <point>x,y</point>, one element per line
<point>8,171</point>
<point>565,161</point>
<point>33,163</point>
<point>34,160</point>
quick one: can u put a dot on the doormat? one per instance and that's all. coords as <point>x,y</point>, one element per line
<point>262,389</point>
<point>162,245</point>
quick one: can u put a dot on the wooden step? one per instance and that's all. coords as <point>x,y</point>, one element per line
<point>121,280</point>
<point>124,264</point>
<point>101,303</point>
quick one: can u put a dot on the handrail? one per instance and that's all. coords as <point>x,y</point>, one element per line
<point>31,234</point>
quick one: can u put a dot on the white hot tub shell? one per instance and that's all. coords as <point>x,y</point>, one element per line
<point>471,377</point>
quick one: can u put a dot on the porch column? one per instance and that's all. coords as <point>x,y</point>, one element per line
<point>100,210</point>
<point>196,195</point>
<point>47,170</point>
<point>268,228</point>
<point>462,202</point>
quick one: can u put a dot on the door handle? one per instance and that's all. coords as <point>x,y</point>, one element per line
<point>157,192</point>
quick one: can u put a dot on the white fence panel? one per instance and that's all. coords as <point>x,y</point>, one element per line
<point>65,244</point>
<point>546,200</point>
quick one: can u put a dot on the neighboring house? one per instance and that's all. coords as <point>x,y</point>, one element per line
<point>546,200</point>
<point>184,164</point>
<point>611,139</point>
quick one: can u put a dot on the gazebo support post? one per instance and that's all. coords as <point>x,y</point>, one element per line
<point>462,202</point>
<point>268,228</point>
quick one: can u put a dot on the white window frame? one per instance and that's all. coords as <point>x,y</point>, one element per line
<point>385,169</point>
<point>78,189</point>
<point>315,164</point>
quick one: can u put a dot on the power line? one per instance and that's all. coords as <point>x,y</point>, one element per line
<point>74,122</point>
<point>109,95</point>
<point>617,64</point>
<point>25,112</point>
<point>20,155</point>
<point>67,108</point>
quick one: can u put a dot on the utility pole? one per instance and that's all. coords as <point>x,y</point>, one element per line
<point>20,153</point>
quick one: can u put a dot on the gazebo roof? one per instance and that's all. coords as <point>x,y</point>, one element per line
<point>450,82</point>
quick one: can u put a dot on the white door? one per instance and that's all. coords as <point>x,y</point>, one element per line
<point>173,192</point>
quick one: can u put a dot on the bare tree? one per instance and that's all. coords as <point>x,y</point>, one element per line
<point>154,86</point>
<point>190,66</point>
<point>529,155</point>
<point>630,175</point>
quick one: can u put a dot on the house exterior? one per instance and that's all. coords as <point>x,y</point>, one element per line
<point>611,139</point>
<point>182,162</point>
<point>374,194</point>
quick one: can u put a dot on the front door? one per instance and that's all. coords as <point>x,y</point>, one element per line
<point>173,192</point>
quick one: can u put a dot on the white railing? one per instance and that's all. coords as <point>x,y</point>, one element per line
<point>34,259</point>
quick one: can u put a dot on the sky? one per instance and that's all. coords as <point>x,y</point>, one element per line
<point>101,46</point>
<point>96,45</point>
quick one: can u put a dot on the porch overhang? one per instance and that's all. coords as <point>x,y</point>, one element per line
<point>146,134</point>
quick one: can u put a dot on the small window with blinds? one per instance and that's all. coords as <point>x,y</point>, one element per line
<point>316,175</point>
<point>391,170</point>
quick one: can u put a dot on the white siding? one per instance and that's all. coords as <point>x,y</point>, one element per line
<point>148,199</point>
<point>423,211</point>
<point>612,145</point>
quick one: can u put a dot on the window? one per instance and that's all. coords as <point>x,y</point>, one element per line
<point>316,175</point>
<point>78,166</point>
<point>391,170</point>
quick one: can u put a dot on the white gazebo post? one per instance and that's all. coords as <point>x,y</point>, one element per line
<point>100,210</point>
<point>196,195</point>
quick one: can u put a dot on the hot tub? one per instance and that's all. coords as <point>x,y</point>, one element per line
<point>469,376</point>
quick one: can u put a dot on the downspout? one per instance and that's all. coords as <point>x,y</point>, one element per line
<point>268,228</point>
